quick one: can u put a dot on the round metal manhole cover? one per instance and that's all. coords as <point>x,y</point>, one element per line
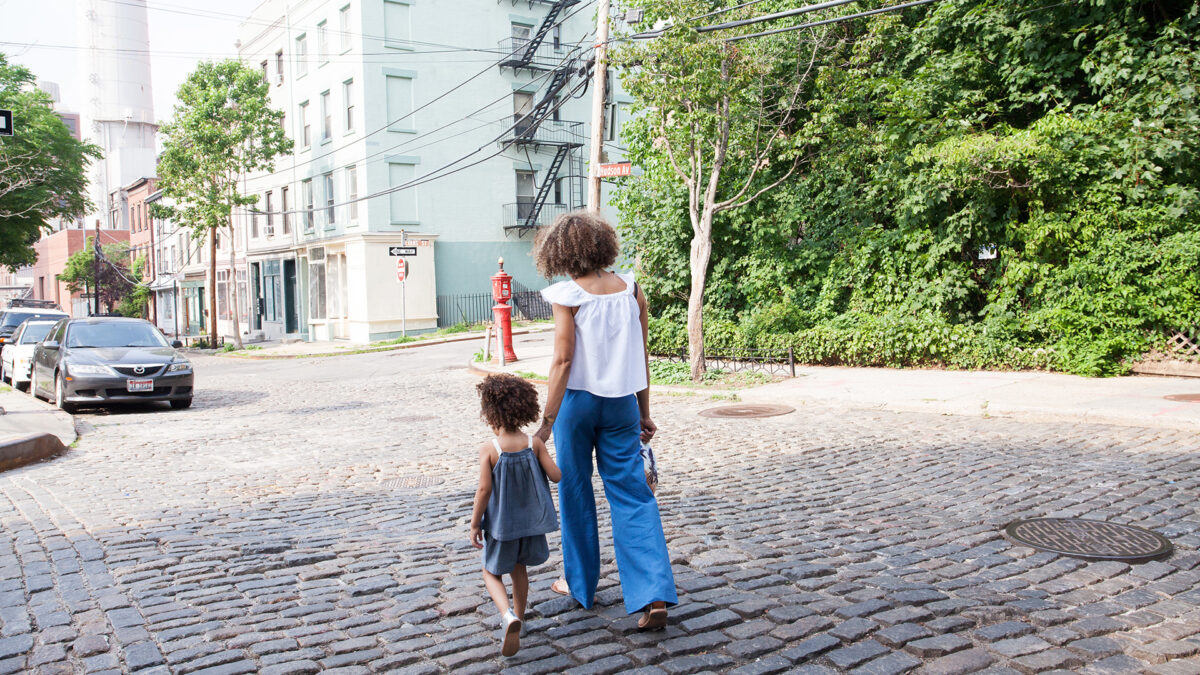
<point>412,482</point>
<point>747,410</point>
<point>414,418</point>
<point>1184,398</point>
<point>1089,539</point>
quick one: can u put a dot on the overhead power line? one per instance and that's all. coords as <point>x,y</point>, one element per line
<point>839,19</point>
<point>777,15</point>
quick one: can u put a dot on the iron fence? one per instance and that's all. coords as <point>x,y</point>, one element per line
<point>472,308</point>
<point>769,361</point>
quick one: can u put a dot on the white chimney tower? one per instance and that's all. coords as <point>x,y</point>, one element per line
<point>119,112</point>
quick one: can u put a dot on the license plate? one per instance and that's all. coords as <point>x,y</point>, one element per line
<point>139,385</point>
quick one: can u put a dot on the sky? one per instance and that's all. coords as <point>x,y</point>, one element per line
<point>182,33</point>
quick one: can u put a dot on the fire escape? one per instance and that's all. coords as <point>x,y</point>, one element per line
<point>538,131</point>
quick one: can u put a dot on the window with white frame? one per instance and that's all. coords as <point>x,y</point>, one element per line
<point>348,101</point>
<point>270,207</point>
<point>330,211</point>
<point>223,294</point>
<point>279,67</point>
<point>283,204</point>
<point>323,42</point>
<point>352,190</point>
<point>396,26</point>
<point>306,190</point>
<point>305,129</point>
<point>344,27</point>
<point>326,117</point>
<point>301,55</point>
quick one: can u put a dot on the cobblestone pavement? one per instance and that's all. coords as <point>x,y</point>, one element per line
<point>312,516</point>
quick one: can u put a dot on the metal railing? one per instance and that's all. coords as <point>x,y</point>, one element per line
<point>519,214</point>
<point>549,132</point>
<point>542,57</point>
<point>769,361</point>
<point>476,308</point>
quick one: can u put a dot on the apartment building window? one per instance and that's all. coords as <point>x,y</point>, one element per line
<point>330,218</point>
<point>526,193</point>
<point>254,222</point>
<point>302,55</point>
<point>266,75</point>
<point>305,131</point>
<point>283,204</point>
<point>323,41</point>
<point>306,190</point>
<point>558,191</point>
<point>521,35</point>
<point>326,117</point>
<point>402,203</point>
<point>399,103</point>
<point>279,67</point>
<point>522,106</point>
<point>610,121</point>
<point>270,215</point>
<point>223,294</point>
<point>344,27</point>
<point>316,283</point>
<point>557,39</point>
<point>348,100</point>
<point>396,26</point>
<point>352,190</point>
<point>242,297</point>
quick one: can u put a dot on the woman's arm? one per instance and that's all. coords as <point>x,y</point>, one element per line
<point>482,494</point>
<point>548,466</point>
<point>560,367</point>
<point>643,396</point>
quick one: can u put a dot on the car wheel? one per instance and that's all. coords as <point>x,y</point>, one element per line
<point>180,404</point>
<point>4,376</point>
<point>33,384</point>
<point>60,395</point>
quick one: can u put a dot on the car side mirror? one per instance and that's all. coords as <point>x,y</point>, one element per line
<point>50,344</point>
<point>176,344</point>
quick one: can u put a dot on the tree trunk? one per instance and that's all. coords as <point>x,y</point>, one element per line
<point>212,288</point>
<point>233,295</point>
<point>701,251</point>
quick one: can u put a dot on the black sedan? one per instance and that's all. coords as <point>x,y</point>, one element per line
<point>105,360</point>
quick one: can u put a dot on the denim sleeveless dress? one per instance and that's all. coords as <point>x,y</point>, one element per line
<point>519,513</point>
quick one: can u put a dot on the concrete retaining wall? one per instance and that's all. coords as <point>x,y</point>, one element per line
<point>15,452</point>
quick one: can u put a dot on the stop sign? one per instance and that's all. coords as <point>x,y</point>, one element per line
<point>401,269</point>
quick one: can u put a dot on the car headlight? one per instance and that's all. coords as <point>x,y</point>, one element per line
<point>87,369</point>
<point>178,366</point>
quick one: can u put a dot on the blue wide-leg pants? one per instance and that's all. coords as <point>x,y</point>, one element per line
<point>611,426</point>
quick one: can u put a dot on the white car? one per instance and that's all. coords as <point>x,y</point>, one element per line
<point>17,356</point>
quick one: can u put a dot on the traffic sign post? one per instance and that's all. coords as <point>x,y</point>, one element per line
<point>6,123</point>
<point>402,251</point>
<point>614,170</point>
<point>402,276</point>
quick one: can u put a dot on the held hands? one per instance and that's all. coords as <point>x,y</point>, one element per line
<point>544,431</point>
<point>476,536</point>
<point>648,429</point>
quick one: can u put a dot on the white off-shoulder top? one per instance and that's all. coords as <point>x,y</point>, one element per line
<point>610,354</point>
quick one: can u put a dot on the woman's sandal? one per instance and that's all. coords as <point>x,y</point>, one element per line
<point>560,586</point>
<point>655,618</point>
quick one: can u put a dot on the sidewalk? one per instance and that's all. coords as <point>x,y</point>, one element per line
<point>31,430</point>
<point>298,350</point>
<point>1036,396</point>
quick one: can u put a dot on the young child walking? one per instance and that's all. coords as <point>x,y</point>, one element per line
<point>513,508</point>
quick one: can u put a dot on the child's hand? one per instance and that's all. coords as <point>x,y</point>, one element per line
<point>476,537</point>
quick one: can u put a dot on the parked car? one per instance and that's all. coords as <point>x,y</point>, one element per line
<point>103,360</point>
<point>16,315</point>
<point>17,356</point>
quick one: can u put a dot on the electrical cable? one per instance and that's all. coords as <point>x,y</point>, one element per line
<point>839,19</point>
<point>777,15</point>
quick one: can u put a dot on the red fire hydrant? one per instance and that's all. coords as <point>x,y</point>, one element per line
<point>502,293</point>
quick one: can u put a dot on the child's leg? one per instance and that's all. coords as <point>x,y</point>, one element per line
<point>520,593</point>
<point>495,588</point>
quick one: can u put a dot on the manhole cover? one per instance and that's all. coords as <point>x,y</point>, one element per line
<point>1184,398</point>
<point>414,418</point>
<point>747,410</point>
<point>1090,539</point>
<point>412,482</point>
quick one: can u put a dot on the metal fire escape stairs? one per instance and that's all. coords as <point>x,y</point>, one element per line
<point>525,132</point>
<point>524,54</point>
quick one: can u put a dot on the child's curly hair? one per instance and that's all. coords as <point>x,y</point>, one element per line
<point>576,244</point>
<point>509,402</point>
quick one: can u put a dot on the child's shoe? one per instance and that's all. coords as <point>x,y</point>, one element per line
<point>512,634</point>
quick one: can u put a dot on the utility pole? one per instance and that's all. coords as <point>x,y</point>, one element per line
<point>599,76</point>
<point>96,268</point>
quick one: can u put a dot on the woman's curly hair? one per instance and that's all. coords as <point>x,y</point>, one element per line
<point>576,244</point>
<point>509,402</point>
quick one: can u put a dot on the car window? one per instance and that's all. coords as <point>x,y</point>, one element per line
<point>57,331</point>
<point>114,334</point>
<point>13,319</point>
<point>33,333</point>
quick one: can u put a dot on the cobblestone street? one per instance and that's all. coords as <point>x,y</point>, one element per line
<point>311,515</point>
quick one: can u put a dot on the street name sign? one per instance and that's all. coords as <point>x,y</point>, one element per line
<point>401,269</point>
<point>402,250</point>
<point>614,170</point>
<point>6,123</point>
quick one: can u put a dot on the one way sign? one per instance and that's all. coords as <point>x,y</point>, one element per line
<point>402,250</point>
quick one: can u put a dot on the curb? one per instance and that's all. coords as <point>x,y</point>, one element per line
<point>485,369</point>
<point>22,450</point>
<point>372,350</point>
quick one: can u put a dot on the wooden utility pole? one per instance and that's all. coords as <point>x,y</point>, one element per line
<point>600,75</point>
<point>212,289</point>
<point>96,268</point>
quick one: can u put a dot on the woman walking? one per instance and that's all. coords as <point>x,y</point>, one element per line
<point>599,402</point>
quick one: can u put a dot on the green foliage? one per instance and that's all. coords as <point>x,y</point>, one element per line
<point>42,167</point>
<point>229,347</point>
<point>121,289</point>
<point>1067,137</point>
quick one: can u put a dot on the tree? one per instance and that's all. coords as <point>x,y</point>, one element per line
<point>42,167</point>
<point>718,119</point>
<point>117,282</point>
<point>222,128</point>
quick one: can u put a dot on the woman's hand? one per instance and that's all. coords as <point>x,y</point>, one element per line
<point>544,431</point>
<point>648,429</point>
